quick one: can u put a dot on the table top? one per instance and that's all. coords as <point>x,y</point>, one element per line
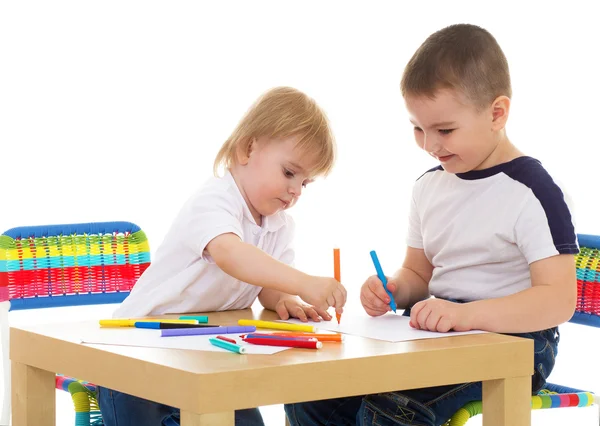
<point>207,382</point>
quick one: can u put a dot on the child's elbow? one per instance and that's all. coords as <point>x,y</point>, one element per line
<point>220,248</point>
<point>568,305</point>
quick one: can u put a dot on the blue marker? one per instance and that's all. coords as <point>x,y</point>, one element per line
<point>383,279</point>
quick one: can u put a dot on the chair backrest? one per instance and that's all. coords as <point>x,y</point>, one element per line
<point>587,261</point>
<point>67,265</point>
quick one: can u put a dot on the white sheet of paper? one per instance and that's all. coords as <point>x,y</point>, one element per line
<point>389,327</point>
<point>129,336</point>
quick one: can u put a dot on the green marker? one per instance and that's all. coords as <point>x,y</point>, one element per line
<point>229,346</point>
<point>199,318</point>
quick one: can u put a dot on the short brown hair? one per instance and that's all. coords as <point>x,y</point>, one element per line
<point>280,113</point>
<point>461,57</point>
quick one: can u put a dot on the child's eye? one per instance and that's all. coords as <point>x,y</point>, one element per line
<point>445,131</point>
<point>306,182</point>
<point>288,173</point>
<point>418,129</point>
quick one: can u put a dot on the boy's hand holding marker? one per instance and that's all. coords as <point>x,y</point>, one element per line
<point>374,298</point>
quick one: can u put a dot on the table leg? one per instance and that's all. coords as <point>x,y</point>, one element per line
<point>33,396</point>
<point>507,402</point>
<point>213,419</point>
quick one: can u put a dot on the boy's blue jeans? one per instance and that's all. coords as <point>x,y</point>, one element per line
<point>121,409</point>
<point>416,407</point>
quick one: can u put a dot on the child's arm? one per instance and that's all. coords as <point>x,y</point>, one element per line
<point>412,278</point>
<point>409,285</point>
<point>252,265</point>
<point>549,302</point>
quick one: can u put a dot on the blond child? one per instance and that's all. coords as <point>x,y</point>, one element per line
<point>232,241</point>
<point>490,235</point>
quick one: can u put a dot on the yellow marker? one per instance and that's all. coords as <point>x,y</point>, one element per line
<point>131,322</point>
<point>278,325</point>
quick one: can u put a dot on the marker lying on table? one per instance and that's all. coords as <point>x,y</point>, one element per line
<point>205,331</point>
<point>291,343</point>
<point>200,318</point>
<point>320,337</point>
<point>165,325</point>
<point>274,336</point>
<point>226,339</point>
<point>131,322</point>
<point>278,325</point>
<point>228,345</point>
<point>383,279</point>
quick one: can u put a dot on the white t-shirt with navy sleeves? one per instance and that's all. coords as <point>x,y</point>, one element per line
<point>481,229</point>
<point>183,277</point>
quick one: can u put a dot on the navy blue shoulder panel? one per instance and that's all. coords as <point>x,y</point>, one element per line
<point>531,173</point>
<point>433,169</point>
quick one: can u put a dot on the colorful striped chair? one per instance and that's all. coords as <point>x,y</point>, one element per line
<point>587,313</point>
<point>67,265</point>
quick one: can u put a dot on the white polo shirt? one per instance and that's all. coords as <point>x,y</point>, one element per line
<point>182,276</point>
<point>481,229</point>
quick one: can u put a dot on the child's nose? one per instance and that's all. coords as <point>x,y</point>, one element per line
<point>430,143</point>
<point>295,189</point>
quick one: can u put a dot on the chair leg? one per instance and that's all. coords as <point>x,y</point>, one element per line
<point>6,367</point>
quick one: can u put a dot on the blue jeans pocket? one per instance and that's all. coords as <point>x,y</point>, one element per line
<point>393,408</point>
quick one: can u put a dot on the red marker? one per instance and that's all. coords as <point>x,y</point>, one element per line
<point>283,342</point>
<point>227,339</point>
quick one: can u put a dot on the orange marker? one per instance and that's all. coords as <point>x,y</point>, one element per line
<point>337,274</point>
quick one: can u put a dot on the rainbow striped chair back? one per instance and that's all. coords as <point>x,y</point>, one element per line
<point>587,312</point>
<point>66,265</point>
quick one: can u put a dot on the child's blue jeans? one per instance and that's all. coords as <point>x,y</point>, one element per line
<point>416,407</point>
<point>121,409</point>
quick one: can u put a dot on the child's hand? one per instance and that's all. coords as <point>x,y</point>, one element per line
<point>323,292</point>
<point>440,315</point>
<point>292,307</point>
<point>373,296</point>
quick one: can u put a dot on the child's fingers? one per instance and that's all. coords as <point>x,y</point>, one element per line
<point>312,313</point>
<point>300,314</point>
<point>444,325</point>
<point>374,312</point>
<point>371,301</point>
<point>432,322</point>
<point>282,311</point>
<point>376,287</point>
<point>414,312</point>
<point>422,317</point>
<point>322,313</point>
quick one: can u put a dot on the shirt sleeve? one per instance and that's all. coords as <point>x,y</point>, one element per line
<point>210,214</point>
<point>544,227</point>
<point>414,236</point>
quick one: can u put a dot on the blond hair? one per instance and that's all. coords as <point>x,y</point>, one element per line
<point>280,113</point>
<point>461,57</point>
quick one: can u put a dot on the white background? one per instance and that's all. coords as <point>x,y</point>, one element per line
<point>115,110</point>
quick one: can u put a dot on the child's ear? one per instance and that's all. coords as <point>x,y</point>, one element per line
<point>244,150</point>
<point>500,110</point>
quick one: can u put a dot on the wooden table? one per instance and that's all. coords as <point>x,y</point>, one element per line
<point>209,386</point>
